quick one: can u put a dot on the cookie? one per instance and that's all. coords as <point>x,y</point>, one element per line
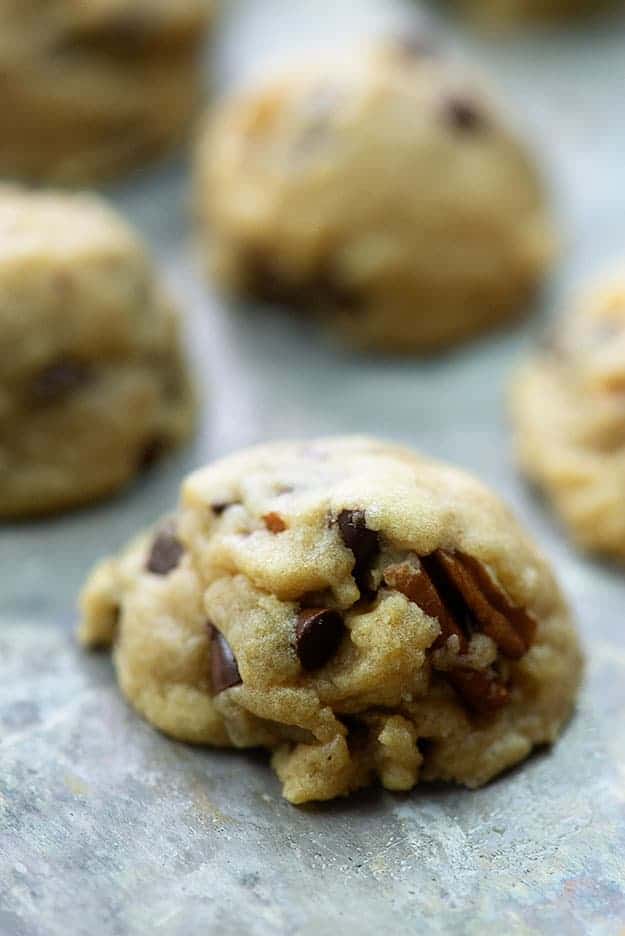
<point>383,192</point>
<point>361,611</point>
<point>93,385</point>
<point>90,89</point>
<point>568,407</point>
<point>509,12</point>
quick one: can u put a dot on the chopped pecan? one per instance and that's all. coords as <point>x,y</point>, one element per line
<point>459,591</point>
<point>274,522</point>
<point>481,690</point>
<point>411,579</point>
<point>512,629</point>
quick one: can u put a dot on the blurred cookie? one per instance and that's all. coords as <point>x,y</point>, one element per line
<point>361,611</point>
<point>92,381</point>
<point>89,89</point>
<point>383,192</point>
<point>508,12</point>
<point>569,413</point>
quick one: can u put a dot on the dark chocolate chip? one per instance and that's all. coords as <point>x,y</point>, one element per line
<point>358,732</point>
<point>220,506</point>
<point>363,542</point>
<point>318,634</point>
<point>320,290</point>
<point>60,379</point>
<point>463,115</point>
<point>151,452</point>
<point>166,553</point>
<point>224,669</point>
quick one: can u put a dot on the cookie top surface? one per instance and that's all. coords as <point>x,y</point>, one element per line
<point>278,513</point>
<point>385,155</point>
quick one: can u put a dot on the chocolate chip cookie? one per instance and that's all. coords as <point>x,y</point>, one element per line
<point>92,381</point>
<point>91,88</point>
<point>509,12</point>
<point>569,412</point>
<point>383,192</point>
<point>361,611</point>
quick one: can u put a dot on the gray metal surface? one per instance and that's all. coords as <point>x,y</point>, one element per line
<point>106,827</point>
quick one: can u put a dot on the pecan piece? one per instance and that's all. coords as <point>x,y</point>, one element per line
<point>459,591</point>
<point>274,522</point>
<point>481,690</point>
<point>411,579</point>
<point>512,629</point>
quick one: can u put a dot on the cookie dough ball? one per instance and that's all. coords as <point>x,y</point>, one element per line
<point>508,12</point>
<point>94,87</point>
<point>384,192</point>
<point>92,381</point>
<point>569,413</point>
<point>361,611</point>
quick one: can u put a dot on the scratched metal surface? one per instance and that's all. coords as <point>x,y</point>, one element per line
<point>107,827</point>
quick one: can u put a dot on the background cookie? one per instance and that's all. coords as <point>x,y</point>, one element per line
<point>92,381</point>
<point>91,88</point>
<point>383,191</point>
<point>361,611</point>
<point>507,12</point>
<point>569,414</point>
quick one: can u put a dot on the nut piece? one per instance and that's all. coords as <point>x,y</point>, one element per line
<point>512,629</point>
<point>460,593</point>
<point>274,522</point>
<point>411,579</point>
<point>481,690</point>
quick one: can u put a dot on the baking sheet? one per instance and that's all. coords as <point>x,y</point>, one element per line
<point>107,827</point>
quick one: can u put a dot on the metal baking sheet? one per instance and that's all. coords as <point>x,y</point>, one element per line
<point>107,827</point>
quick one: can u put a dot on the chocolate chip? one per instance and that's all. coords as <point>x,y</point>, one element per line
<point>60,379</point>
<point>274,522</point>
<point>219,507</point>
<point>363,542</point>
<point>321,289</point>
<point>318,634</point>
<point>223,664</point>
<point>463,115</point>
<point>166,553</point>
<point>151,452</point>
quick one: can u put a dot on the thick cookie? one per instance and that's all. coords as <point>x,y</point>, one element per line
<point>359,610</point>
<point>508,12</point>
<point>92,381</point>
<point>569,413</point>
<point>91,88</point>
<point>383,192</point>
